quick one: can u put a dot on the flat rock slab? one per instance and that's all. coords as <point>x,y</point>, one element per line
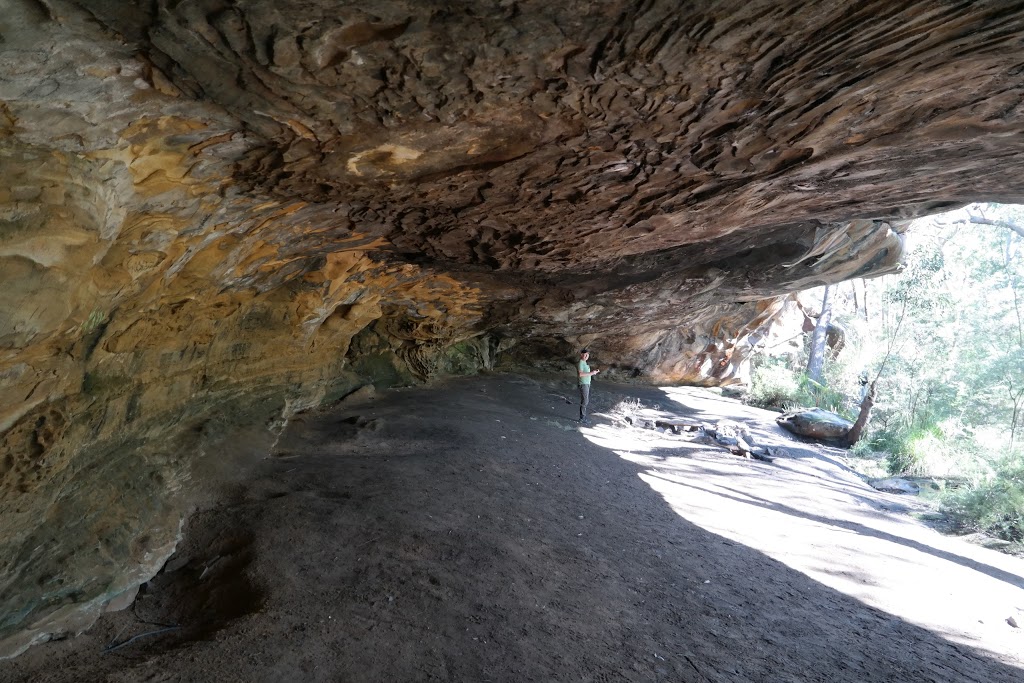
<point>815,423</point>
<point>895,485</point>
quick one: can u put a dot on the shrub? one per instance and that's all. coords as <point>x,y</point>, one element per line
<point>773,386</point>
<point>993,504</point>
<point>864,448</point>
<point>929,451</point>
<point>811,394</point>
<point>900,458</point>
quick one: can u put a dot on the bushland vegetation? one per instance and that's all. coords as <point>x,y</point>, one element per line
<point>942,347</point>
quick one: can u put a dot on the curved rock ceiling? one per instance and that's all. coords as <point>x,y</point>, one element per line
<point>217,213</point>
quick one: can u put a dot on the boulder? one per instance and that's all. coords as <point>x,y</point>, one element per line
<point>895,485</point>
<point>815,423</point>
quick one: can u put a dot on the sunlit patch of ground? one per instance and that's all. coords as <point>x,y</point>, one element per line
<point>474,531</point>
<point>813,514</point>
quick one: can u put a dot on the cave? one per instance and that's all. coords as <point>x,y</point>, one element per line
<point>220,214</point>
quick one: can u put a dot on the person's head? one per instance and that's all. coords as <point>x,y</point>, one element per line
<point>584,354</point>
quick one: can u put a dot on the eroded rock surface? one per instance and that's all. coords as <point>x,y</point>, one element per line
<point>215,214</point>
<point>816,424</point>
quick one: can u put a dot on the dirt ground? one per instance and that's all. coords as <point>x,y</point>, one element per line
<point>472,531</point>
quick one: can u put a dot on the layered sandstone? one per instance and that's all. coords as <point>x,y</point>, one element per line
<point>215,214</point>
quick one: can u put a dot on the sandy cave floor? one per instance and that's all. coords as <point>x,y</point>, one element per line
<point>471,531</point>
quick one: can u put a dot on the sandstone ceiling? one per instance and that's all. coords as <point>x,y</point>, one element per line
<point>216,213</point>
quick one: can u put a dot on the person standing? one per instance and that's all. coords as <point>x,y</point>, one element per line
<point>584,373</point>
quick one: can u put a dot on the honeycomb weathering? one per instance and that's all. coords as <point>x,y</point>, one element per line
<point>217,213</point>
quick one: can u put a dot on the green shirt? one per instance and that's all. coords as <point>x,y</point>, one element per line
<point>583,367</point>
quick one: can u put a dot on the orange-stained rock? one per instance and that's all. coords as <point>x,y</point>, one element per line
<point>216,214</point>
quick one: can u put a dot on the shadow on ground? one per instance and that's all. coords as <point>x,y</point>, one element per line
<point>471,531</point>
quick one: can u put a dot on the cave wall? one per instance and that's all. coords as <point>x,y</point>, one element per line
<point>214,214</point>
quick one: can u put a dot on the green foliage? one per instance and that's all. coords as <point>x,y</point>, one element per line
<point>994,504</point>
<point>944,343</point>
<point>909,453</point>
<point>818,395</point>
<point>774,386</point>
<point>890,441</point>
<point>93,322</point>
<point>937,450</point>
<point>864,448</point>
<point>951,331</point>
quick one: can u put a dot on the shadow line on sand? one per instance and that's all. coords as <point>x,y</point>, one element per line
<point>491,546</point>
<point>856,527</point>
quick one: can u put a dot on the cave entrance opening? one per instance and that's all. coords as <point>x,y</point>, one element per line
<point>933,355</point>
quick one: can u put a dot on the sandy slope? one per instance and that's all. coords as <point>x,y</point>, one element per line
<point>471,531</point>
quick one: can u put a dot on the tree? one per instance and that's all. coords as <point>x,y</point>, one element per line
<point>816,360</point>
<point>956,316</point>
<point>980,219</point>
<point>867,401</point>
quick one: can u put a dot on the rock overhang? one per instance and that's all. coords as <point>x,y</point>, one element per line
<point>218,213</point>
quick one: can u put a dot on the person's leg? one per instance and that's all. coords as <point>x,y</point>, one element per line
<point>584,400</point>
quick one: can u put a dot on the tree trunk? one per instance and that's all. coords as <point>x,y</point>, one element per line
<point>1016,416</point>
<point>816,361</point>
<point>864,289</point>
<point>862,418</point>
